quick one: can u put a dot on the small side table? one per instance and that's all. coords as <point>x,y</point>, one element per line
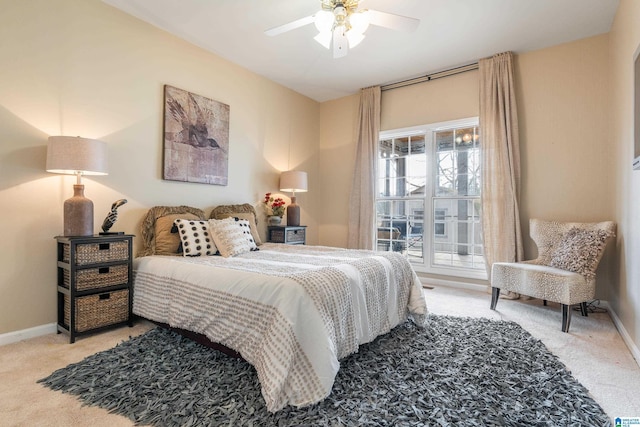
<point>287,234</point>
<point>94,283</point>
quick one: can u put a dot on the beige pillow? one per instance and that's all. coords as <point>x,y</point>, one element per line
<point>167,243</point>
<point>249,216</point>
<point>229,237</point>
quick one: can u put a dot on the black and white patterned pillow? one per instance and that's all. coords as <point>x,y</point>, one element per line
<point>195,237</point>
<point>580,251</point>
<point>245,226</point>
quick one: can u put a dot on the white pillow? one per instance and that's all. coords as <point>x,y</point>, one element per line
<point>195,237</point>
<point>245,226</point>
<point>231,237</point>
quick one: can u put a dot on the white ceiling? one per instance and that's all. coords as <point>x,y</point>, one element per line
<point>451,33</point>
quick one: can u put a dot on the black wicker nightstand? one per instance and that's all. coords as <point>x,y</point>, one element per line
<point>94,283</point>
<point>288,234</point>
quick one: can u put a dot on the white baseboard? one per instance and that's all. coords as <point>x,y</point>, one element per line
<point>426,281</point>
<point>36,331</point>
<point>633,348</point>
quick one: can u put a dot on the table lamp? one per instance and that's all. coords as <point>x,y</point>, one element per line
<point>77,156</point>
<point>292,181</point>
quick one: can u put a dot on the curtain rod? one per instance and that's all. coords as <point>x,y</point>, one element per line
<point>429,77</point>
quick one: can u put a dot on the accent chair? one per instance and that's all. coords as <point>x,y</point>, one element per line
<point>565,269</point>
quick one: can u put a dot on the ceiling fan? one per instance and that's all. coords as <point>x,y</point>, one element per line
<point>340,23</point>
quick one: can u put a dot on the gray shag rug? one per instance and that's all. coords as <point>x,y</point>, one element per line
<point>458,371</point>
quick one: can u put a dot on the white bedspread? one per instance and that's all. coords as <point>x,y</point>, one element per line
<point>291,311</point>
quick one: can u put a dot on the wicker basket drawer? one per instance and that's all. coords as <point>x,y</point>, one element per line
<point>95,311</point>
<point>93,253</point>
<point>97,278</point>
<point>277,236</point>
<point>295,235</point>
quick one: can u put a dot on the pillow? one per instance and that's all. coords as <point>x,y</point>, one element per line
<point>245,226</point>
<point>580,251</point>
<point>251,223</point>
<point>148,228</point>
<point>167,241</point>
<point>196,237</point>
<point>230,237</point>
<point>243,211</point>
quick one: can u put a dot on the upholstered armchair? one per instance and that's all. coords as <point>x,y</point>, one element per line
<point>565,270</point>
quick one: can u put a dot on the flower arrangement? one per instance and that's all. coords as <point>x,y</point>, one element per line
<point>275,206</point>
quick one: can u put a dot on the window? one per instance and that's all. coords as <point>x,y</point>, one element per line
<point>431,175</point>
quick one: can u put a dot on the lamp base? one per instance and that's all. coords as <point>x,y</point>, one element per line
<point>293,213</point>
<point>78,214</point>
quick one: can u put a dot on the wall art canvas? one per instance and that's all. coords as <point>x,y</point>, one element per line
<point>196,138</point>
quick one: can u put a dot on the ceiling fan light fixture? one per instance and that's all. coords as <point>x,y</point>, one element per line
<point>359,21</point>
<point>341,26</point>
<point>324,21</point>
<point>324,38</point>
<point>354,38</point>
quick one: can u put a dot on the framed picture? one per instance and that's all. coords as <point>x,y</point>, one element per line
<point>196,138</point>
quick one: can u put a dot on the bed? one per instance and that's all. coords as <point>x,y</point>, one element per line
<point>292,311</point>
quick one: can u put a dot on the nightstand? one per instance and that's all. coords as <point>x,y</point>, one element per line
<point>94,283</point>
<point>287,234</point>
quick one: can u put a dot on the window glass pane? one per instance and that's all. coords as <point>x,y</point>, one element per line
<point>401,147</point>
<point>385,148</point>
<point>457,162</point>
<point>417,165</point>
<point>384,168</point>
<point>417,145</point>
<point>445,173</point>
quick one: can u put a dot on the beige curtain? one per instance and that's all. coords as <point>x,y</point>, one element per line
<point>502,237</point>
<point>361,202</point>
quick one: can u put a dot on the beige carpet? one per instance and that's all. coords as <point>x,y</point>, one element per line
<point>593,351</point>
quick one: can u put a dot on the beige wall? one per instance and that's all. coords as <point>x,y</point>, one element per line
<point>563,111</point>
<point>83,68</point>
<point>624,39</point>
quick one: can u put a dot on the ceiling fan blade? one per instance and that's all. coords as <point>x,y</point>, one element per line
<point>340,43</point>
<point>393,21</point>
<point>290,26</point>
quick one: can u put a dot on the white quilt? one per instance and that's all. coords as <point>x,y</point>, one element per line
<point>291,311</point>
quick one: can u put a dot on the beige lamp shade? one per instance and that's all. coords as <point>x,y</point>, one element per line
<point>293,181</point>
<point>75,155</point>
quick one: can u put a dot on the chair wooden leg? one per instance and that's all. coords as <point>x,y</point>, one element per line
<point>544,302</point>
<point>495,295</point>
<point>566,317</point>
<point>583,309</point>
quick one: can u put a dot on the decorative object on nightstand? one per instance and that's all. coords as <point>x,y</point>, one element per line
<point>111,218</point>
<point>77,156</point>
<point>292,181</point>
<point>287,234</point>
<point>94,283</point>
<point>275,209</point>
<point>274,220</point>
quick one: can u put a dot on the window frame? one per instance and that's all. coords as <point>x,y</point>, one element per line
<point>428,130</point>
